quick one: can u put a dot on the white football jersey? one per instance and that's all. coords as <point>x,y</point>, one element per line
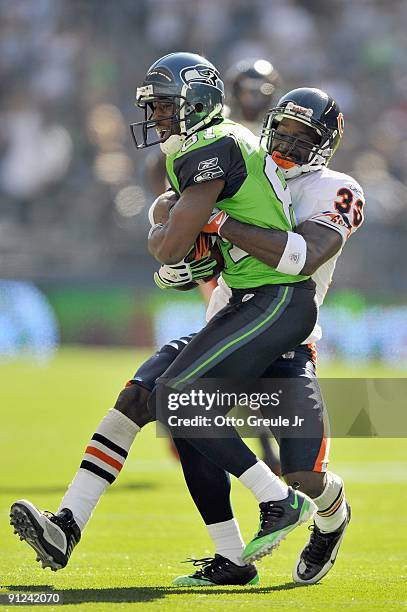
<point>326,197</point>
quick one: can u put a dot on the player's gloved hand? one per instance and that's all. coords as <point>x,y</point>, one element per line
<point>173,276</point>
<point>215,222</point>
<point>202,268</point>
<point>183,273</point>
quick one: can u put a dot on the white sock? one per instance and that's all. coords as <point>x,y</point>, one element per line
<point>331,504</point>
<point>227,539</point>
<point>103,460</point>
<point>265,485</point>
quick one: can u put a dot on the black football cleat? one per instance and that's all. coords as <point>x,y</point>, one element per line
<point>320,553</point>
<point>52,536</point>
<point>218,570</point>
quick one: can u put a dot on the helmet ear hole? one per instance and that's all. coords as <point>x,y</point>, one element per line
<point>199,107</point>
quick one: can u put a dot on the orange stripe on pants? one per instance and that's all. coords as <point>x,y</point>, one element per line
<point>318,465</point>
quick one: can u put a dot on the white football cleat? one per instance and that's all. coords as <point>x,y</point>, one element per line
<point>52,536</point>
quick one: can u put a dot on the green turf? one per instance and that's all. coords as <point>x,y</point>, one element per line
<point>146,524</point>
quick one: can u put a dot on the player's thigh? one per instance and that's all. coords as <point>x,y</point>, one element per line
<point>149,371</point>
<point>253,330</point>
<point>306,447</point>
<point>133,399</point>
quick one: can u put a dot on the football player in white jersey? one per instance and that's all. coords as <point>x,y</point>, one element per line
<point>319,195</point>
<point>301,134</point>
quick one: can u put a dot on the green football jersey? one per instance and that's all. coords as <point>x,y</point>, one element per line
<point>255,192</point>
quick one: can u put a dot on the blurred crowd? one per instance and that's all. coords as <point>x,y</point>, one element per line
<point>73,189</point>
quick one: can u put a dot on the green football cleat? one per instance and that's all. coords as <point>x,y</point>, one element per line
<point>277,519</point>
<point>218,570</point>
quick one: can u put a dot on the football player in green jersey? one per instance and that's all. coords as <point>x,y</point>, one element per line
<point>251,84</point>
<point>211,161</point>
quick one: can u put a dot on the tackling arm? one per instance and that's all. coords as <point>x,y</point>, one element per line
<point>268,245</point>
<point>169,242</point>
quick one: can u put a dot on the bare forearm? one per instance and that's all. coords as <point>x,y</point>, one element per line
<point>163,247</point>
<point>322,244</point>
<point>267,245</point>
<point>170,242</point>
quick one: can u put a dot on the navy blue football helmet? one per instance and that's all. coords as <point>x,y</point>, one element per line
<point>314,108</point>
<point>192,85</point>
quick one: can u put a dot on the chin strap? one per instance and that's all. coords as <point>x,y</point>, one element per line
<point>298,170</point>
<point>172,145</point>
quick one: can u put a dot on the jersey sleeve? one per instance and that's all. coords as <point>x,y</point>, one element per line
<point>219,160</point>
<point>342,207</point>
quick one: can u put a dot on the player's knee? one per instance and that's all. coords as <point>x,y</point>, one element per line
<point>133,403</point>
<point>310,483</point>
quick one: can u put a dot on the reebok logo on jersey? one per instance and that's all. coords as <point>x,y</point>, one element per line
<point>208,174</point>
<point>208,163</point>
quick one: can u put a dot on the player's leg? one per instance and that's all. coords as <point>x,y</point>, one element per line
<point>332,518</point>
<point>304,463</point>
<point>330,522</point>
<point>53,537</point>
<point>270,452</point>
<point>209,487</point>
<point>241,341</point>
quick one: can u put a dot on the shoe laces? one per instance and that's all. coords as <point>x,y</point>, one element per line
<point>68,527</point>
<point>62,523</point>
<point>270,513</point>
<point>316,548</point>
<point>206,565</point>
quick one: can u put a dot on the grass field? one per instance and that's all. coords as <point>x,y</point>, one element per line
<point>146,524</point>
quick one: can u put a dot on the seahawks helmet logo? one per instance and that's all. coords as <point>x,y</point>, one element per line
<point>200,74</point>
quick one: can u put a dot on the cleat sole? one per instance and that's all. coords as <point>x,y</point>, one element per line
<point>24,527</point>
<point>188,581</point>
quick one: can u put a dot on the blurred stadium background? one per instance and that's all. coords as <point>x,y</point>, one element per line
<point>74,196</point>
<point>74,270</point>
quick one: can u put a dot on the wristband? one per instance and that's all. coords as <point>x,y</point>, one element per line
<point>295,253</point>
